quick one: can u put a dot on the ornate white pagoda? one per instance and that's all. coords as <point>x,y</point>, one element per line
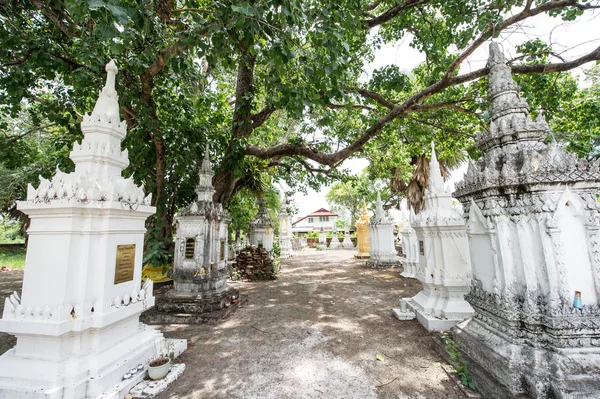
<point>347,241</point>
<point>444,266</point>
<point>201,255</point>
<point>285,231</point>
<point>77,318</point>
<point>533,221</point>
<point>381,235</point>
<point>410,247</point>
<point>261,228</point>
<point>335,240</point>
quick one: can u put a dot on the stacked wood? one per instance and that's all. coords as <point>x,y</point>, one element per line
<point>253,264</point>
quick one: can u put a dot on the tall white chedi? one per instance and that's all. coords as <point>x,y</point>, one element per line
<point>77,319</point>
<point>285,231</point>
<point>381,235</point>
<point>444,266</point>
<point>410,247</point>
<point>533,224</point>
<point>261,227</point>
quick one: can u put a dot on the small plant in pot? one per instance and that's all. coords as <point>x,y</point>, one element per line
<point>159,367</point>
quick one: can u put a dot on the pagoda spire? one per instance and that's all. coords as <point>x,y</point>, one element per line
<point>503,92</point>
<point>205,188</point>
<point>436,183</point>
<point>107,105</point>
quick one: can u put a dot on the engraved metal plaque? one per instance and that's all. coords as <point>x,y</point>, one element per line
<point>125,263</point>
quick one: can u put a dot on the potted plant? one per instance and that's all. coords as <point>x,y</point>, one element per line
<point>159,367</point>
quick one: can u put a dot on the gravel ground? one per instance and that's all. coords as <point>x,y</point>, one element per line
<point>314,333</point>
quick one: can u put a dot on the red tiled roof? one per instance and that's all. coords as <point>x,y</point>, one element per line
<point>322,212</point>
<point>318,212</point>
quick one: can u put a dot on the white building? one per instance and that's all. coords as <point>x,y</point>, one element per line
<point>321,218</point>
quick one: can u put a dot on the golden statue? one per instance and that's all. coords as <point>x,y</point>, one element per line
<point>362,233</point>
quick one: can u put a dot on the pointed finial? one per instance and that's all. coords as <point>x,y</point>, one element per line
<point>496,55</point>
<point>435,175</point>
<point>111,73</point>
<point>107,107</point>
<point>206,161</point>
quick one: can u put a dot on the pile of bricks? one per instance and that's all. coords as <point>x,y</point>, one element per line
<point>254,263</point>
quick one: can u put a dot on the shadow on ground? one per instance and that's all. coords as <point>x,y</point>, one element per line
<point>314,333</point>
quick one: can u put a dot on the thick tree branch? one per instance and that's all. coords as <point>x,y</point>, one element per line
<point>18,61</point>
<point>28,132</point>
<point>378,98</point>
<point>286,149</point>
<point>485,35</point>
<point>392,12</point>
<point>261,117</point>
<point>54,18</point>
<point>441,127</point>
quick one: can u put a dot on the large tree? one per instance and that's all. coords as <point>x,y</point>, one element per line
<point>274,86</point>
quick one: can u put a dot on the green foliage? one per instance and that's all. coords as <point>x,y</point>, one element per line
<point>312,234</point>
<point>181,85</point>
<point>460,364</point>
<point>346,197</point>
<point>12,258</point>
<point>156,252</point>
<point>10,231</point>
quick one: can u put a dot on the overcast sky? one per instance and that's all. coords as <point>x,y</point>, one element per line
<point>569,39</point>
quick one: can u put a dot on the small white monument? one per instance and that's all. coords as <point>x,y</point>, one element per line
<point>322,237</point>
<point>381,235</point>
<point>77,319</point>
<point>335,240</point>
<point>201,256</point>
<point>261,228</point>
<point>285,231</point>
<point>534,232</point>
<point>347,242</point>
<point>410,247</point>
<point>444,266</point>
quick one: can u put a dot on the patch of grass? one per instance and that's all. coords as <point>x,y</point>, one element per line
<point>13,258</point>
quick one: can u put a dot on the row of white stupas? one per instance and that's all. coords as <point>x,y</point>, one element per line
<point>528,257</point>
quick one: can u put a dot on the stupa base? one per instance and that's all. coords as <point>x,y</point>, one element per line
<point>109,374</point>
<point>509,368</point>
<point>362,255</point>
<point>383,264</point>
<point>180,308</point>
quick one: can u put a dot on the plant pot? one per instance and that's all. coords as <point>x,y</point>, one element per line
<point>158,368</point>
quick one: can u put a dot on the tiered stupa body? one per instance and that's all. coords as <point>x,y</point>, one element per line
<point>201,256</point>
<point>381,234</point>
<point>261,228</point>
<point>444,267</point>
<point>410,247</point>
<point>77,319</point>
<point>533,223</point>
<point>285,231</point>
<point>347,242</point>
<point>335,240</point>
<point>362,234</point>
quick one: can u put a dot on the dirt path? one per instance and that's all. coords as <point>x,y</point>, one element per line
<point>314,333</point>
